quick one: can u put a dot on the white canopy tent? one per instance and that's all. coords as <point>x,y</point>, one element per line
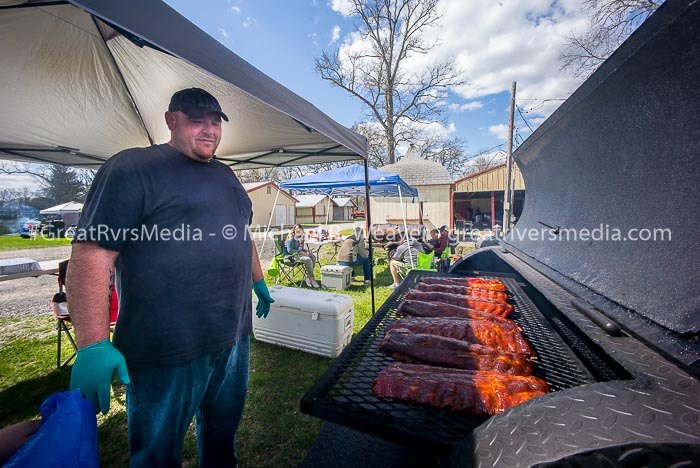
<point>84,79</point>
<point>63,208</point>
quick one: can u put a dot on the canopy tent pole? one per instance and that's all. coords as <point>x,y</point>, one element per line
<point>369,236</point>
<point>405,228</point>
<point>269,222</point>
<point>328,208</point>
<point>420,211</point>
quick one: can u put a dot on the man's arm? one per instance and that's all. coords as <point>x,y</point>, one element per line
<point>88,282</point>
<point>88,290</point>
<point>257,269</point>
<point>259,286</point>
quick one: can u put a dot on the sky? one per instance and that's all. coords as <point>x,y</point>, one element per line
<point>494,42</point>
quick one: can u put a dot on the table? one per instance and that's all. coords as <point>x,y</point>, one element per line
<point>315,247</point>
<point>48,267</point>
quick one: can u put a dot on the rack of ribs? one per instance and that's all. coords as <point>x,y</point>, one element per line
<point>495,308</point>
<point>409,308</point>
<point>503,336</point>
<point>478,283</point>
<point>477,294</point>
<point>479,393</point>
<point>420,348</point>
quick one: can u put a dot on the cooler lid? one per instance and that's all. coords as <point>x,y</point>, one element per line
<point>309,300</point>
<point>619,161</point>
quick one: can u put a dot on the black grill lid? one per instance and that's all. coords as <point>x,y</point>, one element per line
<point>624,152</point>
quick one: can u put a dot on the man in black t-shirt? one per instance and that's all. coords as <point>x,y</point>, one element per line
<point>169,224</point>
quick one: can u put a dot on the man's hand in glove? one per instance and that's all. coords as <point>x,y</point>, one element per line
<point>92,372</point>
<point>264,299</point>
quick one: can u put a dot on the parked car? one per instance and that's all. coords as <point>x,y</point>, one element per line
<point>357,214</point>
<point>27,227</point>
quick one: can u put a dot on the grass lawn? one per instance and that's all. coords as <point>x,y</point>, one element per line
<point>15,242</point>
<point>273,431</point>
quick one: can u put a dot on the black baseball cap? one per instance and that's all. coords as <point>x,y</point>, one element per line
<point>195,102</point>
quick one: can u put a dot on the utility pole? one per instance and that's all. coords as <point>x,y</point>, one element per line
<point>508,192</point>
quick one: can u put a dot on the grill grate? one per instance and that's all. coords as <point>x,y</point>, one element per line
<point>344,393</point>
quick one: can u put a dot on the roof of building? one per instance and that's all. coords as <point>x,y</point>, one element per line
<point>417,171</point>
<point>342,202</point>
<point>250,186</point>
<point>309,201</point>
<point>253,186</point>
<point>478,173</point>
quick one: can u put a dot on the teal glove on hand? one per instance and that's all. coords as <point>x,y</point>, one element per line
<point>92,372</point>
<point>264,299</point>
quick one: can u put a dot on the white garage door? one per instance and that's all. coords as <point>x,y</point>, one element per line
<point>280,215</point>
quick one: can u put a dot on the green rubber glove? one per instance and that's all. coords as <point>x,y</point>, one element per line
<point>92,372</point>
<point>264,299</point>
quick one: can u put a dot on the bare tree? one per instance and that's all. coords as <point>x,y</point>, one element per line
<point>484,160</point>
<point>446,151</point>
<point>610,23</point>
<point>57,183</point>
<point>376,72</point>
<point>257,175</point>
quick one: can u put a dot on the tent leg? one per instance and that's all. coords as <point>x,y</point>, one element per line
<point>269,222</point>
<point>369,236</point>
<point>405,228</point>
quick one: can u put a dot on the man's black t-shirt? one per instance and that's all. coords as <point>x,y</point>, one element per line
<point>183,273</point>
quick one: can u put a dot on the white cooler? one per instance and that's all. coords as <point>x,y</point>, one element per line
<point>336,276</point>
<point>317,322</point>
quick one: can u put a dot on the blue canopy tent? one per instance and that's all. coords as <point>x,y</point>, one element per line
<point>352,180</point>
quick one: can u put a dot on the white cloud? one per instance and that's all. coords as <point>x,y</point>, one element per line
<point>500,131</point>
<point>235,9</point>
<point>314,38</point>
<point>224,33</point>
<point>18,181</point>
<point>248,22</point>
<point>314,3</point>
<point>335,34</point>
<point>344,7</point>
<point>467,107</point>
<point>496,43</point>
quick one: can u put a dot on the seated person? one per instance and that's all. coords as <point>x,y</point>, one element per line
<point>444,240</point>
<point>405,255</point>
<point>295,246</point>
<point>353,252</point>
<point>433,242</point>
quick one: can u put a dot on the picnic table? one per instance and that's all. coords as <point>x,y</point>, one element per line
<point>315,246</point>
<point>48,267</point>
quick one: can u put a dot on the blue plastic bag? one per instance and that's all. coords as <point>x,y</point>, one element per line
<point>67,436</point>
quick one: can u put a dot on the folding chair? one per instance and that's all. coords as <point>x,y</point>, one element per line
<point>288,267</point>
<point>59,307</point>
<point>424,262</point>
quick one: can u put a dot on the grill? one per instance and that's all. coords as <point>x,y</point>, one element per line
<point>344,395</point>
<point>614,322</point>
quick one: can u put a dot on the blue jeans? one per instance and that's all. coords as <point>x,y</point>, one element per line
<point>161,402</point>
<point>364,261</point>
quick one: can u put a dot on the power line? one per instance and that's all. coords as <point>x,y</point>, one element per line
<point>485,151</point>
<point>523,117</point>
<point>541,99</point>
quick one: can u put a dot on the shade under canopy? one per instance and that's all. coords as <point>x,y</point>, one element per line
<point>84,79</point>
<point>350,181</point>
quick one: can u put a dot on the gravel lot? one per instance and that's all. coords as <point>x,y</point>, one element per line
<point>31,296</point>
